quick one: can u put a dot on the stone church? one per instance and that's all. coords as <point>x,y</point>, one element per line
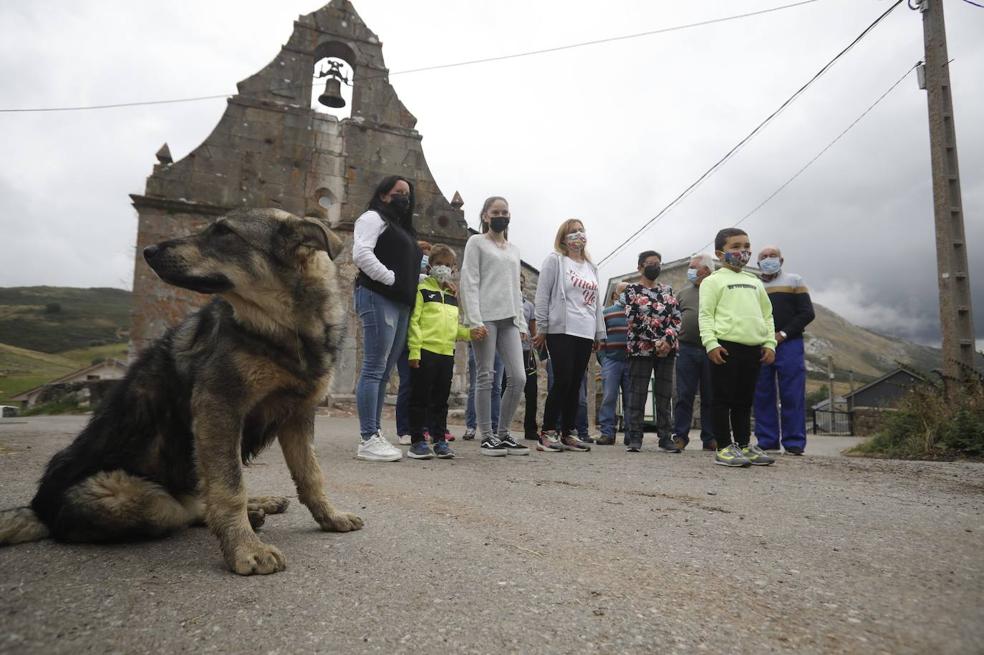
<point>273,148</point>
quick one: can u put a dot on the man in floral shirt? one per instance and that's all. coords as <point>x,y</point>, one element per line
<point>654,323</point>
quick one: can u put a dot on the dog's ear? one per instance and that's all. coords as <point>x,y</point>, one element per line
<point>315,235</point>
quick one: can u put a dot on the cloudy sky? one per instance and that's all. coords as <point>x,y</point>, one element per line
<point>609,133</point>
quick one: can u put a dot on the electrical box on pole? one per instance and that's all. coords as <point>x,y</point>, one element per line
<point>956,312</point>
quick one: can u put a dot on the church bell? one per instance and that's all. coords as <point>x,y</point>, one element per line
<point>332,97</point>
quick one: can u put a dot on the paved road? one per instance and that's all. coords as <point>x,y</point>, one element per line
<point>567,553</point>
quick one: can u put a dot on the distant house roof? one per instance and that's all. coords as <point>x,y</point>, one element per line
<point>887,390</point>
<point>825,403</point>
<point>75,376</point>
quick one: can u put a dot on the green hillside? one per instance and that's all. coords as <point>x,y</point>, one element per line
<point>56,319</point>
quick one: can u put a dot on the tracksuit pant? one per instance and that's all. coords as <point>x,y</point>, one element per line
<point>430,386</point>
<point>785,423</point>
<point>733,391</point>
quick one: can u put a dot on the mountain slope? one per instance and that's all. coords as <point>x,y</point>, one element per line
<point>54,319</point>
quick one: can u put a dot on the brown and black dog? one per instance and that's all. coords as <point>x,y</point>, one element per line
<point>165,450</point>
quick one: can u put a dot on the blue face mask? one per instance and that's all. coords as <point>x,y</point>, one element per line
<point>692,275</point>
<point>770,265</point>
<point>423,263</point>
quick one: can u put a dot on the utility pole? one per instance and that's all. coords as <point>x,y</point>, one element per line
<point>956,313</point>
<point>830,385</point>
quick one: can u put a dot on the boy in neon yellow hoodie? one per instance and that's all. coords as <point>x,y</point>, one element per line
<point>433,330</point>
<point>737,330</point>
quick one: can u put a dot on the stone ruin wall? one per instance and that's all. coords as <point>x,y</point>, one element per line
<point>270,149</point>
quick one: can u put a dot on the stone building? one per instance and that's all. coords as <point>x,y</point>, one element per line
<point>273,148</point>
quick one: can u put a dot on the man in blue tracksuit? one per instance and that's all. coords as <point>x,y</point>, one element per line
<point>792,311</point>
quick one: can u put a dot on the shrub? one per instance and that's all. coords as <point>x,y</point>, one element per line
<point>927,427</point>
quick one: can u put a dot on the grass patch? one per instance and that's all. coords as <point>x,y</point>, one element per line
<point>927,427</point>
<point>55,408</point>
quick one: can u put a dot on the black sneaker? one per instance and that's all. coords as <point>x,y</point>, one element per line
<point>493,447</point>
<point>668,446</point>
<point>513,448</point>
<point>606,440</point>
<point>633,447</point>
<point>794,450</point>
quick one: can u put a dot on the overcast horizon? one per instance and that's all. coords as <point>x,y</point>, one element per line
<point>609,133</point>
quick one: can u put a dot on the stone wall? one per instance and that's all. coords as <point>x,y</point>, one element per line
<point>270,149</point>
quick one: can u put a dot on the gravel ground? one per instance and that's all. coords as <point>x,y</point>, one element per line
<point>553,553</point>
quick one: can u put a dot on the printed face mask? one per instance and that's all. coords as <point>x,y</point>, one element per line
<point>441,273</point>
<point>692,275</point>
<point>770,265</point>
<point>651,271</point>
<point>738,258</point>
<point>576,240</point>
<point>498,223</point>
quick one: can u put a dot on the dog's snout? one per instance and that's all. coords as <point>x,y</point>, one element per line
<point>150,251</point>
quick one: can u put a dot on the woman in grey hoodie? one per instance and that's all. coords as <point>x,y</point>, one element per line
<point>568,316</point>
<point>491,302</point>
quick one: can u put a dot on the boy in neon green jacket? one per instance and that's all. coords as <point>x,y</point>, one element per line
<point>737,330</point>
<point>433,330</point>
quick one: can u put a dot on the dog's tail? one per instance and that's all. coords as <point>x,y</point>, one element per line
<point>20,525</point>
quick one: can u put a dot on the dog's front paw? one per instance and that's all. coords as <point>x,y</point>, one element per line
<point>341,522</point>
<point>257,558</point>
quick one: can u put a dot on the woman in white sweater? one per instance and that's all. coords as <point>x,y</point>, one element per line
<point>491,299</point>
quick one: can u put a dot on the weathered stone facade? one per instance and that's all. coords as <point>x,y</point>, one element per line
<point>270,149</point>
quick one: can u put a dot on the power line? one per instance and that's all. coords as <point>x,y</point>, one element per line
<point>720,162</point>
<point>819,154</point>
<point>470,62</point>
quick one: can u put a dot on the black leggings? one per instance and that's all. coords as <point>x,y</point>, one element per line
<point>430,385</point>
<point>569,357</point>
<point>733,391</point>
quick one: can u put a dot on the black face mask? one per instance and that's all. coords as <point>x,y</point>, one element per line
<point>400,203</point>
<point>498,223</point>
<point>651,272</point>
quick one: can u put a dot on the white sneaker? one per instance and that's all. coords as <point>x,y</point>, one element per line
<point>405,440</point>
<point>377,449</point>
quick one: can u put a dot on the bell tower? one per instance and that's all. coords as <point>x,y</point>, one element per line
<point>272,148</point>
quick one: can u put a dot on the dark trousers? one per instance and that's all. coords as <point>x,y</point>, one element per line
<point>569,357</point>
<point>693,372</point>
<point>529,391</point>
<point>733,391</point>
<point>403,393</point>
<point>430,386</point>
<point>641,369</point>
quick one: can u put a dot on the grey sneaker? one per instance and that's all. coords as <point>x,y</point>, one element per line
<point>549,443</point>
<point>757,456</point>
<point>570,442</point>
<point>731,455</point>
<point>468,435</point>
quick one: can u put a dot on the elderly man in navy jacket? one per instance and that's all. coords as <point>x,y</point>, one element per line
<point>792,311</point>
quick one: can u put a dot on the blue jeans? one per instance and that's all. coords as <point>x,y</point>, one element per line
<point>581,420</point>
<point>614,377</point>
<point>384,337</point>
<point>693,372</point>
<point>470,421</point>
<point>789,371</point>
<point>403,394</point>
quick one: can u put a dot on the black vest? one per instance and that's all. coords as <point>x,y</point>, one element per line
<point>399,252</point>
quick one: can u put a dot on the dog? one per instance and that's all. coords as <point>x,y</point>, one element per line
<point>165,449</point>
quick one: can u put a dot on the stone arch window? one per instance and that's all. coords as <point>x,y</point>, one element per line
<point>333,60</point>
